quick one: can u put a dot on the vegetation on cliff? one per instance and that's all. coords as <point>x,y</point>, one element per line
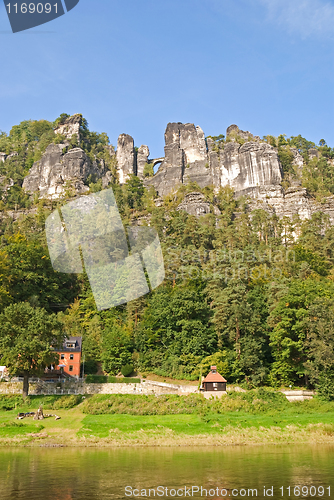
<point>243,290</point>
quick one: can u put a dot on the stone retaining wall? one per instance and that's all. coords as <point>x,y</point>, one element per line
<point>145,387</point>
<point>298,395</point>
<point>47,388</point>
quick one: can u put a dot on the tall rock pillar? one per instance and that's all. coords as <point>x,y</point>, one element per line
<point>142,158</point>
<point>126,157</point>
<point>197,168</point>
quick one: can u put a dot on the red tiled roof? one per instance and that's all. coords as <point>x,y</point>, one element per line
<point>214,377</point>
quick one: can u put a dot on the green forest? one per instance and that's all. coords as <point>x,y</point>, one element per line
<point>246,291</point>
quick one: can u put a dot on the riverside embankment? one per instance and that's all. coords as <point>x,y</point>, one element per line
<point>253,418</point>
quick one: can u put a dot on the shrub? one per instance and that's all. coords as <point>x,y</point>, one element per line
<point>66,402</point>
<point>148,170</point>
<point>91,367</point>
<point>126,370</point>
<point>10,402</point>
<point>51,402</point>
<point>169,404</point>
<point>325,385</point>
<point>96,379</point>
<point>103,379</point>
<point>127,380</point>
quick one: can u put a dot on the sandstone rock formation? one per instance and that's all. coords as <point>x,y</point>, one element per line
<point>233,131</point>
<point>196,204</point>
<point>244,162</point>
<point>293,202</point>
<point>70,127</point>
<point>298,160</point>
<point>186,159</point>
<point>313,153</point>
<point>190,158</point>
<point>142,158</point>
<point>58,171</point>
<point>247,166</point>
<point>126,157</point>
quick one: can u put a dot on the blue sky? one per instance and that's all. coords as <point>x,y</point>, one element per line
<point>134,65</point>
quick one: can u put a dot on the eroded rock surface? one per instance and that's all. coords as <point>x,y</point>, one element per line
<point>126,157</point>
<point>196,204</point>
<point>70,127</point>
<point>186,159</point>
<point>294,202</point>
<point>58,171</point>
<point>142,158</point>
<point>190,158</point>
<point>244,162</point>
<point>247,166</point>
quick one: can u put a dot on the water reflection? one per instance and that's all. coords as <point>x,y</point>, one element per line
<point>82,473</point>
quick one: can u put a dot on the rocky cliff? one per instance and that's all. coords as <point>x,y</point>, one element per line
<point>294,201</point>
<point>189,157</point>
<point>70,127</point>
<point>242,161</point>
<point>58,171</point>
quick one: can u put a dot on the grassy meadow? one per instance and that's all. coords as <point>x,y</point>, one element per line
<point>255,417</point>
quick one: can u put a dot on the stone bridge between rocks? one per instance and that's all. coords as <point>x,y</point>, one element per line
<point>155,161</point>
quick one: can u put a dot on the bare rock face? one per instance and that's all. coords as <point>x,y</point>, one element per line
<point>293,202</point>
<point>70,127</point>
<point>191,158</point>
<point>142,158</point>
<point>244,162</point>
<point>192,141</point>
<point>247,166</point>
<point>327,207</point>
<point>126,157</point>
<point>56,172</point>
<point>233,131</point>
<point>186,159</point>
<point>107,179</point>
<point>298,160</point>
<point>3,156</point>
<point>170,173</point>
<point>196,204</point>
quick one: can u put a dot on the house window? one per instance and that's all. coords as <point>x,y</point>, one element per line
<point>71,356</point>
<point>62,356</point>
<point>70,346</point>
<point>215,385</point>
<point>71,368</point>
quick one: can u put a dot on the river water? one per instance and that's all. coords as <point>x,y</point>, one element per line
<point>237,472</point>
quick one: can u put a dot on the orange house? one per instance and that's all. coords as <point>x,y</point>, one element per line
<point>70,357</point>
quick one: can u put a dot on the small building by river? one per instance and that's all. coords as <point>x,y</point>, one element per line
<point>214,381</point>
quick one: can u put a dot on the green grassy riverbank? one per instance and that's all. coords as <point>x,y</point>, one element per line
<point>256,417</point>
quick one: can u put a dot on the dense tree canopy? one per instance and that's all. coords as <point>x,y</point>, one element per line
<point>27,338</point>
